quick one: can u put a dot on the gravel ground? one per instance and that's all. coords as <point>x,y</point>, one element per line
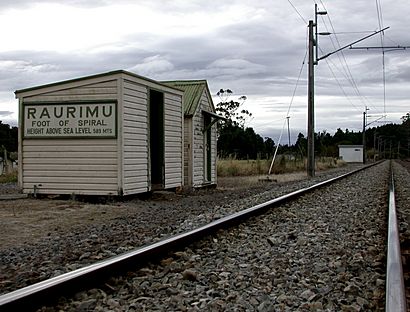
<point>322,252</point>
<point>44,238</point>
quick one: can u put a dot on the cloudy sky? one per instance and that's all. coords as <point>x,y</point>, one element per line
<point>255,48</point>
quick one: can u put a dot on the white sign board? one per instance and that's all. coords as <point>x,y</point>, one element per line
<point>70,120</point>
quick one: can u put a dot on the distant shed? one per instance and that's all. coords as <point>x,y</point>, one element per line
<point>114,133</point>
<point>351,153</point>
<point>200,133</point>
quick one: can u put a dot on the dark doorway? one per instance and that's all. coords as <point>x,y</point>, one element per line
<point>156,130</point>
<point>208,147</point>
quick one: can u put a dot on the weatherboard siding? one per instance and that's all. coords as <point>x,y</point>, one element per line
<point>199,145</point>
<point>71,166</point>
<point>102,166</point>
<point>135,138</point>
<point>173,127</point>
<point>67,166</point>
<point>188,154</point>
<point>214,166</point>
<point>86,91</point>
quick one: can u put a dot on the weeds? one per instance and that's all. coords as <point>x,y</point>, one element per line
<point>283,164</point>
<point>9,177</point>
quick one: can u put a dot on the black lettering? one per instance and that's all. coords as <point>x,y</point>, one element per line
<point>91,113</point>
<point>70,111</point>
<point>44,112</point>
<point>31,112</point>
<point>109,113</point>
<point>56,114</point>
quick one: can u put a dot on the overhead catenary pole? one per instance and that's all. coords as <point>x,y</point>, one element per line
<point>313,60</point>
<point>288,130</point>
<point>311,104</point>
<point>364,137</point>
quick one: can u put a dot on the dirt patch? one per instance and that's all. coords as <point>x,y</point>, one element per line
<point>26,221</point>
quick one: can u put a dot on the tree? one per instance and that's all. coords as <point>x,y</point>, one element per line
<point>8,137</point>
<point>228,108</point>
<point>406,119</point>
<point>301,144</point>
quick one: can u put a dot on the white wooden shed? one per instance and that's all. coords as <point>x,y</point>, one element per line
<point>114,133</point>
<point>200,133</point>
<point>351,153</point>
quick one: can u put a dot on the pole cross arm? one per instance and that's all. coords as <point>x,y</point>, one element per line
<point>350,44</point>
<point>398,47</point>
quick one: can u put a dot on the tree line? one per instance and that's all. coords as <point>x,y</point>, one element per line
<point>8,140</point>
<point>241,142</point>
<point>237,140</point>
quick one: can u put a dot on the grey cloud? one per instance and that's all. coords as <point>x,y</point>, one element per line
<point>6,113</point>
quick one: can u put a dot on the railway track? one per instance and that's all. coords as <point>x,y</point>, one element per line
<point>402,171</point>
<point>181,268</point>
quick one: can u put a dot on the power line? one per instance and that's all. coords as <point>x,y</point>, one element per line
<point>352,32</point>
<point>380,20</point>
<point>340,86</point>
<point>297,83</point>
<point>300,15</point>
<point>342,59</point>
<point>346,68</point>
<point>295,88</point>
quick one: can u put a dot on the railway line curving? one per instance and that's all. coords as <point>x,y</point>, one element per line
<point>324,250</point>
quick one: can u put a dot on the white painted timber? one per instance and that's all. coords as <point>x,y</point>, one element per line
<point>173,127</point>
<point>135,136</point>
<point>64,168</point>
<point>101,166</point>
<point>67,166</point>
<point>199,169</point>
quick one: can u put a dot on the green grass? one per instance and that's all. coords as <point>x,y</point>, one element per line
<point>9,177</point>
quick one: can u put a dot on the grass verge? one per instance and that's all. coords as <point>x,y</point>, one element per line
<point>9,177</point>
<point>234,167</point>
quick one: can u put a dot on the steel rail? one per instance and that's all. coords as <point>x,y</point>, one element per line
<point>41,293</point>
<point>395,291</point>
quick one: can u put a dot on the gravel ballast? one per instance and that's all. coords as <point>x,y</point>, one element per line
<point>322,252</point>
<point>114,228</point>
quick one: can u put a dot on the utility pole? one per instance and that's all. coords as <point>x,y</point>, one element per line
<point>314,60</point>
<point>311,106</point>
<point>364,134</point>
<point>287,117</point>
<point>364,137</point>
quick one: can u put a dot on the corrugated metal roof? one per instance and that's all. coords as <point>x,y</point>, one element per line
<point>193,90</point>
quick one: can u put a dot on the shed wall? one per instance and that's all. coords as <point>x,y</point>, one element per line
<point>351,154</point>
<point>188,152</point>
<point>135,136</point>
<point>173,140</point>
<point>66,166</point>
<point>199,145</point>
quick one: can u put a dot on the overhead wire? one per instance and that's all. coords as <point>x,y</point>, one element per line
<point>380,20</point>
<point>297,11</point>
<point>339,84</point>
<point>296,86</point>
<point>342,59</point>
<point>290,104</point>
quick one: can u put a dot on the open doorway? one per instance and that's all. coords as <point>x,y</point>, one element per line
<point>156,130</point>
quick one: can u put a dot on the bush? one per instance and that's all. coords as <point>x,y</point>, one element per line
<point>9,177</point>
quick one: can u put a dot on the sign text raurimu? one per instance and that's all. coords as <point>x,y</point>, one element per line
<point>70,120</point>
